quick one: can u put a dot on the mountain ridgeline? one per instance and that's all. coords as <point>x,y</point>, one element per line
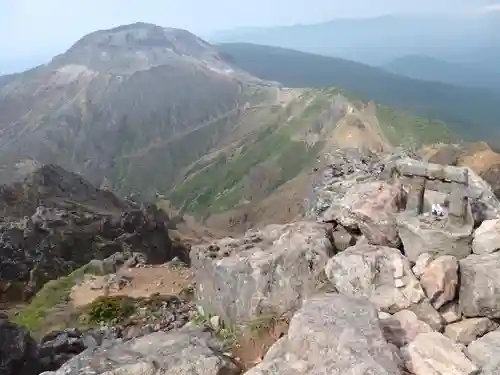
<point>471,112</point>
<point>160,112</point>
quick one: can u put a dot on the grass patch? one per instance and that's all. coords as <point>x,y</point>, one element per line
<point>52,294</point>
<point>110,309</point>
<point>403,128</point>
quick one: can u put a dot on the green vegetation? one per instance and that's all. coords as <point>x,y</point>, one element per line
<point>223,184</point>
<point>402,128</point>
<point>110,309</point>
<point>53,293</point>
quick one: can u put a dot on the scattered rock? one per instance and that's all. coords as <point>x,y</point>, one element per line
<point>434,354</point>
<point>185,351</point>
<point>440,280</point>
<point>487,237</point>
<point>479,294</point>
<point>331,334</point>
<point>402,328</point>
<point>468,330</point>
<point>381,274</point>
<point>267,271</point>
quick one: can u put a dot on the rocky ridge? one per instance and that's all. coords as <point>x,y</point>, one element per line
<point>55,222</point>
<point>372,281</point>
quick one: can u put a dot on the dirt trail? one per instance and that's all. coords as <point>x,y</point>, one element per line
<point>141,282</point>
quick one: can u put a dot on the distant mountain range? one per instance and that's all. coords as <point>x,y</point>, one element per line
<point>469,38</point>
<point>447,46</point>
<point>471,112</point>
<point>431,69</point>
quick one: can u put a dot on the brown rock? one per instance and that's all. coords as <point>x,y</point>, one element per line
<point>440,280</point>
<point>468,330</point>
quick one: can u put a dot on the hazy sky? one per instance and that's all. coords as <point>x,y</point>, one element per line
<point>43,27</point>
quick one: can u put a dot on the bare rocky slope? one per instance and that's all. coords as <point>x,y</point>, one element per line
<point>117,106</point>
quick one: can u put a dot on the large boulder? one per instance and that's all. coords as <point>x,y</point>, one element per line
<point>468,330</point>
<point>370,207</point>
<point>381,274</point>
<point>55,222</point>
<point>434,354</point>
<point>487,237</point>
<point>440,280</point>
<point>479,294</point>
<point>331,334</point>
<point>18,350</point>
<point>428,234</point>
<point>266,271</point>
<point>183,352</point>
<point>484,353</point>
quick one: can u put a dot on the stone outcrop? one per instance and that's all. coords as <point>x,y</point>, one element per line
<point>266,271</point>
<point>55,222</point>
<point>18,351</point>
<point>183,352</point>
<point>331,334</point>
<point>381,274</point>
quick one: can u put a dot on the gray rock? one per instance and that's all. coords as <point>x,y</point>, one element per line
<point>428,234</point>
<point>440,280</point>
<point>18,351</point>
<point>487,237</point>
<point>381,274</point>
<point>484,353</point>
<point>479,294</point>
<point>468,330</point>
<point>182,352</point>
<point>342,239</point>
<point>267,271</point>
<point>421,263</point>
<point>331,334</point>
<point>370,207</point>
<point>425,312</point>
<point>402,328</point>
<point>485,205</point>
<point>434,354</point>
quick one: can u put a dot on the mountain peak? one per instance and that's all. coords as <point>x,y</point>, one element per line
<point>137,46</point>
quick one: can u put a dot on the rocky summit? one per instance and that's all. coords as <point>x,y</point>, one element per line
<point>392,271</point>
